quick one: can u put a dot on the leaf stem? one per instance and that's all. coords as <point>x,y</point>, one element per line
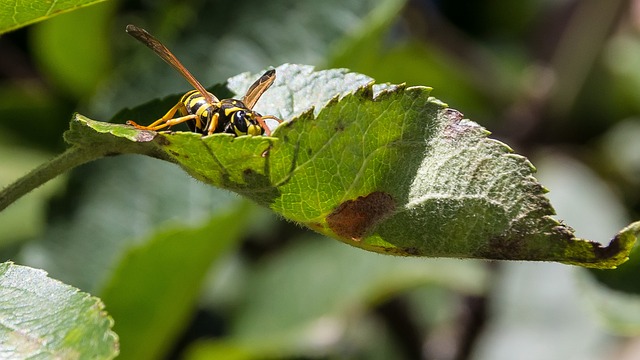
<point>69,159</point>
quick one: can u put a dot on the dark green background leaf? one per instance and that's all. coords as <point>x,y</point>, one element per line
<point>157,284</point>
<point>338,299</point>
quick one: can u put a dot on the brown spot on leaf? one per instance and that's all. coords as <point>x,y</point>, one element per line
<point>145,136</point>
<point>504,248</point>
<point>354,218</point>
<point>455,127</point>
<point>174,153</point>
<point>607,252</point>
<point>412,250</point>
<point>162,140</point>
<point>565,231</point>
<point>453,115</point>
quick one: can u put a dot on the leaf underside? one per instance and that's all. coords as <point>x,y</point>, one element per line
<point>382,167</point>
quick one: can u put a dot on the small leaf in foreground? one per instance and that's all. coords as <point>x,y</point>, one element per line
<point>15,14</point>
<point>44,318</point>
<point>385,168</point>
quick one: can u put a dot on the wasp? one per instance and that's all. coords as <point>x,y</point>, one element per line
<point>200,109</point>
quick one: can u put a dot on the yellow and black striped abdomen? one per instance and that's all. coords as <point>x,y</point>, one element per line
<point>196,104</point>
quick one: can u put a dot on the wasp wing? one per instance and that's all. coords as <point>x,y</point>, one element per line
<point>154,44</point>
<point>258,88</point>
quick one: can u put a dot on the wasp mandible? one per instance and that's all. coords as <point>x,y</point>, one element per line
<point>200,109</point>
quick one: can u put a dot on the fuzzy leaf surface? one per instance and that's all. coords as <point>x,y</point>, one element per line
<point>382,167</point>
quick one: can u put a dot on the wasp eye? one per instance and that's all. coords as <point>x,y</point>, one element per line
<point>239,122</point>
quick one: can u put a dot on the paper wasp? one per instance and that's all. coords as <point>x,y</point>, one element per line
<point>200,109</point>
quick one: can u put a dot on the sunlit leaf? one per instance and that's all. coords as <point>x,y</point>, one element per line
<point>384,168</point>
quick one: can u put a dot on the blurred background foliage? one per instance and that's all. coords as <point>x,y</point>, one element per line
<point>194,272</point>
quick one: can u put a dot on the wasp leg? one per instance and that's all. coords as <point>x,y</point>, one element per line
<point>163,121</point>
<point>213,124</point>
<point>168,123</point>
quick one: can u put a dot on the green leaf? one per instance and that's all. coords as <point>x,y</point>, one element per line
<point>156,285</point>
<point>42,318</point>
<point>80,64</point>
<point>15,14</point>
<point>384,168</point>
<point>355,279</point>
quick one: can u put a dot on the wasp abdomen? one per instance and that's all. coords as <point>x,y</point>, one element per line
<point>196,104</point>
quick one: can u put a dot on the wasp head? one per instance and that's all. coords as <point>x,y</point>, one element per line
<point>245,122</point>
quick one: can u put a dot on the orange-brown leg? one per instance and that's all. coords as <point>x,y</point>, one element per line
<point>165,121</point>
<point>263,125</point>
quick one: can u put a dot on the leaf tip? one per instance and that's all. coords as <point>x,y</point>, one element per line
<point>596,255</point>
